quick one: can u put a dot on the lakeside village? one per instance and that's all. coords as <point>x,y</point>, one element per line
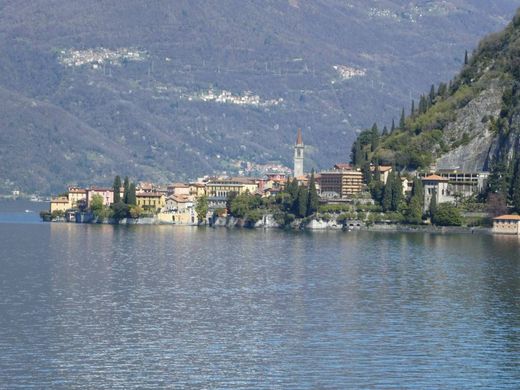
<point>344,197</point>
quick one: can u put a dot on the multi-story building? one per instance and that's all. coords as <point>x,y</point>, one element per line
<point>59,203</point>
<point>77,196</point>
<point>106,193</point>
<point>152,201</point>
<point>340,183</point>
<point>218,190</point>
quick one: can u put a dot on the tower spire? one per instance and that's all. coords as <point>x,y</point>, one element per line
<point>299,139</point>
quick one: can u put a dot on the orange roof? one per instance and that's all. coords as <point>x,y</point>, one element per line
<point>509,217</point>
<point>435,178</point>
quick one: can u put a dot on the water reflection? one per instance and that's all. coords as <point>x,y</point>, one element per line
<point>156,306</point>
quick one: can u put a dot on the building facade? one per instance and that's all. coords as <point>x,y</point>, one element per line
<point>106,193</point>
<point>507,224</point>
<point>152,201</point>
<point>340,183</point>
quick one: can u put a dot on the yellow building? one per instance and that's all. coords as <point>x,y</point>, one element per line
<point>77,195</point>
<point>197,189</point>
<point>221,188</point>
<point>60,203</point>
<point>151,201</point>
<point>507,224</point>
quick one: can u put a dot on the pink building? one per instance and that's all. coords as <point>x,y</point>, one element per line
<point>106,193</point>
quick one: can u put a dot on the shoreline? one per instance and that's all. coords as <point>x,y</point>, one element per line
<point>239,224</point>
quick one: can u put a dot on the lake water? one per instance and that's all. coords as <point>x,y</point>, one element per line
<point>119,307</point>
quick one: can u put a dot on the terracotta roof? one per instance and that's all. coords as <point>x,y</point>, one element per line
<point>384,168</point>
<point>509,217</point>
<point>299,139</point>
<point>99,189</point>
<point>178,185</point>
<point>342,166</point>
<point>179,198</point>
<point>435,178</point>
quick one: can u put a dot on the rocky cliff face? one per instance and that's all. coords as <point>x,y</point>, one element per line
<point>472,120</point>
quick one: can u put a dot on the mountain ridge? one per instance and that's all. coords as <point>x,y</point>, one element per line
<point>142,118</point>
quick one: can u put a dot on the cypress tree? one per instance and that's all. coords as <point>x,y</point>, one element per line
<point>374,137</point>
<point>385,131</point>
<point>386,202</point>
<point>312,199</point>
<point>412,111</point>
<point>397,192</point>
<point>367,174</point>
<point>433,206</point>
<point>302,202</point>
<point>466,61</point>
<point>126,186</point>
<point>131,199</point>
<point>402,120</point>
<point>423,105</point>
<point>293,189</point>
<point>432,95</point>
<point>393,126</point>
<point>117,189</point>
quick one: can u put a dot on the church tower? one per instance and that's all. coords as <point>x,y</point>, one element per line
<point>298,155</point>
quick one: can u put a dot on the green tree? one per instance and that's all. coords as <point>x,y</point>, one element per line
<point>431,96</point>
<point>367,173</point>
<point>447,214</point>
<point>433,205</point>
<point>96,204</point>
<point>131,198</point>
<point>229,200</point>
<point>313,200</point>
<point>402,120</point>
<point>201,208</point>
<point>392,129</point>
<point>135,211</point>
<point>397,192</point>
<point>385,131</point>
<point>126,187</point>
<point>386,202</point>
<point>466,61</point>
<point>120,210</point>
<point>301,202</point>
<point>414,211</point>
<point>117,189</point>
<point>293,189</point>
<point>374,137</point>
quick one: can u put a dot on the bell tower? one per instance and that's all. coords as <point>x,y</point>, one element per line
<point>298,155</point>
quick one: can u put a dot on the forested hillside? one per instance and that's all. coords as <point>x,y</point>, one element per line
<point>471,123</point>
<point>171,90</point>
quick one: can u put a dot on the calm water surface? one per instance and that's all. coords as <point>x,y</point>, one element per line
<point>84,306</point>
